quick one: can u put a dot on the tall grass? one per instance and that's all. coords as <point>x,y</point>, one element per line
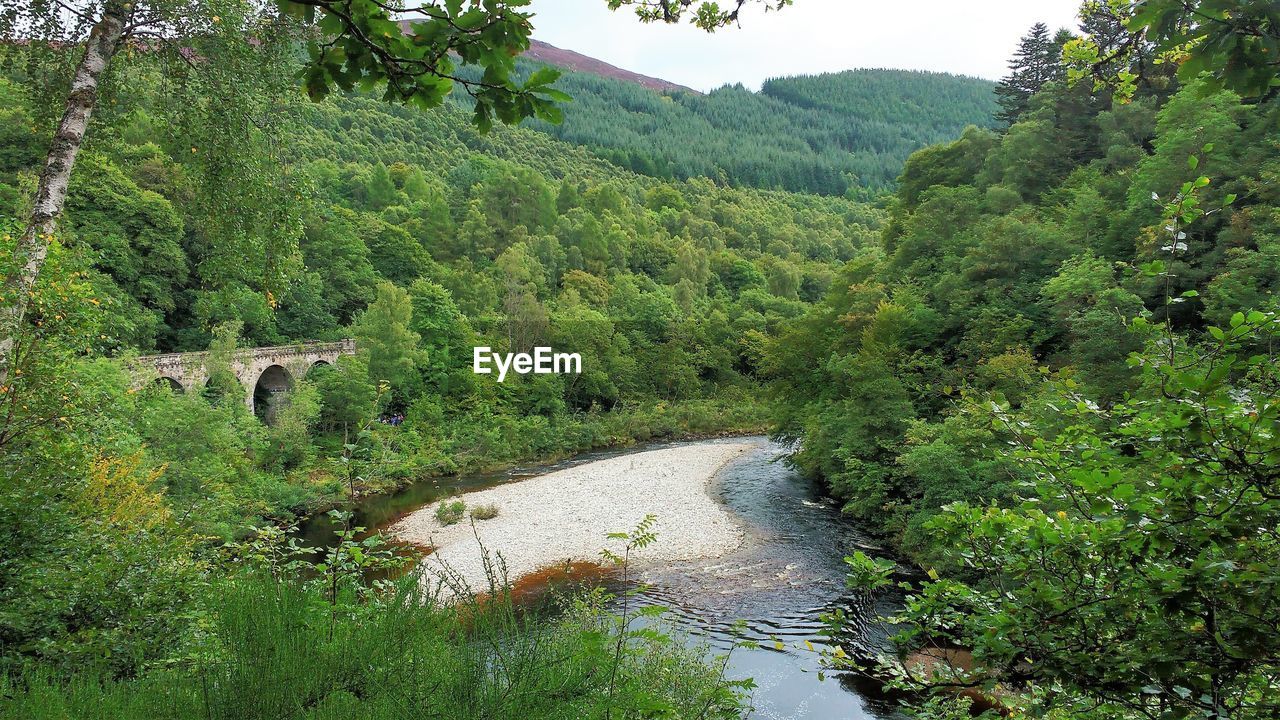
<point>277,649</point>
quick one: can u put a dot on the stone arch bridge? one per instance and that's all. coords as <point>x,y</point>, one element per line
<point>265,374</point>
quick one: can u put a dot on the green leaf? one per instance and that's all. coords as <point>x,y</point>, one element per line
<point>471,19</point>
<point>555,95</point>
<point>543,76</point>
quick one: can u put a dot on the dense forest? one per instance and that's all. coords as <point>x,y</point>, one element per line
<point>1004,255</point>
<point>1039,369</point>
<point>1052,385</point>
<point>833,134</point>
<point>668,290</point>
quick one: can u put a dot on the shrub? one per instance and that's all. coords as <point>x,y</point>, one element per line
<point>484,512</point>
<point>82,559</point>
<point>413,657</point>
<point>449,512</point>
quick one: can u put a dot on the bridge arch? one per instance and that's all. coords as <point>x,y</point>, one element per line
<point>317,364</point>
<point>220,388</point>
<point>270,392</point>
<point>169,383</point>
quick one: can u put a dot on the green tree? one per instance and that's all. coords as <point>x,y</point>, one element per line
<point>222,386</point>
<point>692,264</point>
<point>136,233</point>
<point>783,279</point>
<point>393,252</point>
<point>526,316</point>
<point>103,28</point>
<point>516,196</point>
<point>380,192</point>
<point>413,53</point>
<point>1230,41</point>
<point>94,567</point>
<point>475,238</point>
<point>348,397</point>
<point>303,314</point>
<point>384,335</point>
<point>447,337</point>
<point>333,248</point>
<point>430,222</point>
<point>288,441</point>
<point>1036,63</point>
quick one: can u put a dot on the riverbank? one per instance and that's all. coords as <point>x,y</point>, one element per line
<point>565,515</point>
<point>414,452</point>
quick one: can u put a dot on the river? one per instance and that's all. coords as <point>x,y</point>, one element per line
<point>774,590</point>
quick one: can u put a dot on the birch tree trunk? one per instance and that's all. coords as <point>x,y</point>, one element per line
<point>51,193</point>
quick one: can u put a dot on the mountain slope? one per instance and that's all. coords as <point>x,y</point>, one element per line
<point>577,62</point>
<point>923,107</point>
<point>826,134</point>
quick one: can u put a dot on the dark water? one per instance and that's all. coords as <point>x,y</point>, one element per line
<point>775,590</point>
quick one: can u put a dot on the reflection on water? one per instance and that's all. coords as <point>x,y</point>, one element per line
<point>773,590</point>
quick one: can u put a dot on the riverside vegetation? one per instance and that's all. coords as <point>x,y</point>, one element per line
<point>1040,367</point>
<point>1053,384</point>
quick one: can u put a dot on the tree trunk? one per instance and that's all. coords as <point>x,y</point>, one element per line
<point>51,193</point>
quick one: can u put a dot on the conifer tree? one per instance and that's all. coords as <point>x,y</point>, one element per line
<point>380,191</point>
<point>475,238</point>
<point>1035,63</point>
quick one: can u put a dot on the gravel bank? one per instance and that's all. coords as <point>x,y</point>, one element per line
<point>565,515</point>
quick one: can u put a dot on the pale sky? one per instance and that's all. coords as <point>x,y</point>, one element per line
<point>967,37</point>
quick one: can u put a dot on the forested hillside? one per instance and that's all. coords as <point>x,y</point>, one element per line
<point>421,238</point>
<point>1008,253</point>
<point>394,194</point>
<point>828,134</point>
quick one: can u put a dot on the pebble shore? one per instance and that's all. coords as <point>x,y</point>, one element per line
<point>565,515</point>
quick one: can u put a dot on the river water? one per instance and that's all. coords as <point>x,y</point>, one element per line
<point>776,589</point>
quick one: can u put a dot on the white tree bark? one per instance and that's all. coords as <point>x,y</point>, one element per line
<point>51,193</point>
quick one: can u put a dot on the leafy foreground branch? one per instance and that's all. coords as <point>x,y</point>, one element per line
<point>279,646</point>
